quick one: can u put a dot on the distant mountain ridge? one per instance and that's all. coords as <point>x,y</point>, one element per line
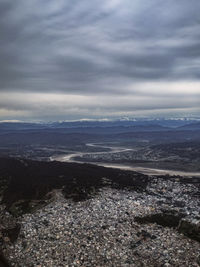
<point>133,125</point>
<point>191,126</point>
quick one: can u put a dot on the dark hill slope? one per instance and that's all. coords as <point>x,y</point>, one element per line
<point>28,180</point>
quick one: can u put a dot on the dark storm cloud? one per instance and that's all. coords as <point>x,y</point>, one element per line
<point>94,47</point>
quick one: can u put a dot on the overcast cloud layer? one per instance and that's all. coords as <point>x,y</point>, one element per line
<point>97,58</point>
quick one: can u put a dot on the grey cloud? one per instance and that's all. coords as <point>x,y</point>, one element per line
<point>97,47</point>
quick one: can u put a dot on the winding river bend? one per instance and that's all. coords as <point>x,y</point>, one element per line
<point>71,157</point>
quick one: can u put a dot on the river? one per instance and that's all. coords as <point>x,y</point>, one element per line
<point>71,157</point>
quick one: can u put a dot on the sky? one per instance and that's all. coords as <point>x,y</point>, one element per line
<point>67,60</point>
